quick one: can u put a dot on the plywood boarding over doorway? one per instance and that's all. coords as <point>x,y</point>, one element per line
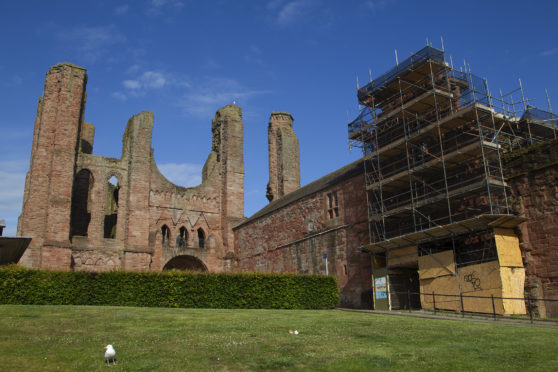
<point>507,245</point>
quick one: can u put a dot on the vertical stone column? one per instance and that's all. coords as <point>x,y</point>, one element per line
<point>228,141</point>
<point>48,187</point>
<point>136,153</point>
<point>284,159</point>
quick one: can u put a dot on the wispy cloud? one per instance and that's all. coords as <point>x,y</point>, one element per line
<point>548,52</point>
<point>121,10</point>
<point>208,95</point>
<point>159,7</point>
<point>12,183</point>
<point>119,96</point>
<point>293,11</point>
<point>182,174</point>
<point>92,43</point>
<point>148,81</point>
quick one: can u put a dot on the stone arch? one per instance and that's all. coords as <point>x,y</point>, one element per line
<point>165,235</point>
<point>182,238</point>
<point>185,262</point>
<point>80,214</point>
<point>111,205</point>
<point>201,238</point>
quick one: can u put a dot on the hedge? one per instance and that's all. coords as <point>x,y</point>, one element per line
<point>167,289</point>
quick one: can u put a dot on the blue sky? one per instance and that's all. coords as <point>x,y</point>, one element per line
<point>183,60</point>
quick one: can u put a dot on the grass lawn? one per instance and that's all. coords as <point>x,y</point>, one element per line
<point>72,338</point>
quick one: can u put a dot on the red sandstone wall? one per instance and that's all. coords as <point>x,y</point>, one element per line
<point>146,200</point>
<point>294,239</point>
<point>533,178</point>
<point>48,188</point>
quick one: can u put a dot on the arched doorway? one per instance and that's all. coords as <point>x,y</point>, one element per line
<point>184,262</point>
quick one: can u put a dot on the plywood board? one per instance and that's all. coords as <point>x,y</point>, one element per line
<point>513,282</point>
<point>475,278</point>
<point>406,256</point>
<point>484,303</point>
<point>507,245</point>
<point>437,264</point>
<point>444,288</point>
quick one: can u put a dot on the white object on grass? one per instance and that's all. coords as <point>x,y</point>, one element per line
<point>110,353</point>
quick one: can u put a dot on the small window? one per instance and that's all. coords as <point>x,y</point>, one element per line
<point>182,238</point>
<point>201,238</point>
<point>165,232</point>
<point>332,205</point>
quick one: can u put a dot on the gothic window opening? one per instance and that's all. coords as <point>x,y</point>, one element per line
<point>111,209</point>
<point>332,205</point>
<point>182,238</point>
<point>81,203</point>
<point>201,238</point>
<point>165,232</point>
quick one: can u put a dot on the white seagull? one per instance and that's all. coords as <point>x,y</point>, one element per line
<point>110,354</point>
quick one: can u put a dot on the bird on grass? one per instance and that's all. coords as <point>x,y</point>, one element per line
<point>110,353</point>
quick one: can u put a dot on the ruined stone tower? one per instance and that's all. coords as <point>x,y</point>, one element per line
<point>94,213</point>
<point>48,185</point>
<point>284,162</point>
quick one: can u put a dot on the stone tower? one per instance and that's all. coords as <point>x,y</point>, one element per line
<point>284,162</point>
<point>48,185</point>
<point>228,142</point>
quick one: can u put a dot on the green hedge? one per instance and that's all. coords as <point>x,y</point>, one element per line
<point>167,289</point>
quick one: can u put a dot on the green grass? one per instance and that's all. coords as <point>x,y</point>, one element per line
<point>72,338</point>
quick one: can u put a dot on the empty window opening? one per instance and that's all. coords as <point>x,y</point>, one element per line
<point>182,238</point>
<point>111,209</point>
<point>81,203</point>
<point>201,238</point>
<point>165,232</point>
<point>332,205</point>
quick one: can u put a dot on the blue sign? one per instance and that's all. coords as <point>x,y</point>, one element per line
<point>325,256</point>
<point>380,287</point>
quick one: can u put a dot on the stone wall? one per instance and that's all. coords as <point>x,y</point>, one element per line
<point>532,174</point>
<point>80,221</point>
<point>293,233</point>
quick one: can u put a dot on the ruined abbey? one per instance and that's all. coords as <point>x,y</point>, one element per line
<point>455,194</point>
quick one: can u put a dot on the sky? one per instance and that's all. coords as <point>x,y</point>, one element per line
<point>185,59</point>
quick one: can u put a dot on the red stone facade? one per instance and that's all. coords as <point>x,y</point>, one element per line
<point>80,221</point>
<point>293,233</point>
<point>533,177</point>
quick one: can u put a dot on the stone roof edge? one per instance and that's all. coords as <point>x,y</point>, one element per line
<point>312,188</point>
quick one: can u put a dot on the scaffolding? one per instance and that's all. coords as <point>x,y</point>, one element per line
<point>432,138</point>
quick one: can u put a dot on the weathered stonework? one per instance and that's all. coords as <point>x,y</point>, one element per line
<point>284,161</point>
<point>293,233</point>
<point>80,221</point>
<point>532,174</point>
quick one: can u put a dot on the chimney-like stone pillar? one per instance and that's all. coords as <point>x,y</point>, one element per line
<point>48,187</point>
<point>228,143</point>
<point>284,160</point>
